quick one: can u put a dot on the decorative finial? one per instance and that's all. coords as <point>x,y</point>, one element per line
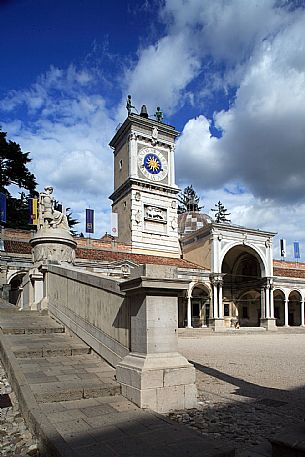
<point>144,112</point>
<point>158,114</point>
<point>129,105</point>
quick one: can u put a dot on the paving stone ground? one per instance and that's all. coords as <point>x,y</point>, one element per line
<point>76,400</point>
<point>15,437</point>
<point>251,387</point>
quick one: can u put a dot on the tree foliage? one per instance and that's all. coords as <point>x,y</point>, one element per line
<point>221,213</point>
<point>13,166</point>
<point>188,201</point>
<point>14,170</point>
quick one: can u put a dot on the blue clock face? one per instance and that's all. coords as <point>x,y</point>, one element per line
<point>152,164</point>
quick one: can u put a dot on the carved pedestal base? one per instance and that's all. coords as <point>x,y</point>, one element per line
<point>53,244</point>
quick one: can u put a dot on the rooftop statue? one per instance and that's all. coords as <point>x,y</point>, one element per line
<point>158,114</point>
<point>49,217</point>
<point>129,105</point>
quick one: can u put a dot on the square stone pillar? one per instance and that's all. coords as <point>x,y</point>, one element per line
<point>154,375</point>
<point>269,323</point>
<point>36,278</point>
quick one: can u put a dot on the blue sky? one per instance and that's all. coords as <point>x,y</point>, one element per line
<point>229,74</point>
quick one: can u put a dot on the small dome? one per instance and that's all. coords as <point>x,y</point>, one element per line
<point>191,221</point>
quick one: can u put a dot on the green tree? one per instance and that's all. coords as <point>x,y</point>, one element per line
<point>221,213</point>
<point>13,166</point>
<point>188,201</point>
<point>14,170</point>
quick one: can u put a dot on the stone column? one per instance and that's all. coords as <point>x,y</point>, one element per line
<point>271,302</point>
<point>154,375</point>
<point>217,321</point>
<point>286,312</point>
<point>267,301</point>
<point>189,311</point>
<point>267,319</point>
<point>215,301</point>
<point>220,304</point>
<point>263,313</point>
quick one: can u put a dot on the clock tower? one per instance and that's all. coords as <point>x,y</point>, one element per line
<point>145,193</point>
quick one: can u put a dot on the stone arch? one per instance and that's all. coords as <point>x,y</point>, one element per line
<point>279,297</point>
<point>243,270</point>
<point>294,307</point>
<point>245,247</point>
<point>200,304</point>
<point>15,282</point>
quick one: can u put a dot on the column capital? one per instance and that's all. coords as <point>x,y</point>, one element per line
<point>216,278</point>
<point>267,282</point>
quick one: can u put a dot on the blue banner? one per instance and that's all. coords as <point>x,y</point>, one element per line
<point>296,249</point>
<point>33,211</point>
<point>89,220</point>
<point>2,207</point>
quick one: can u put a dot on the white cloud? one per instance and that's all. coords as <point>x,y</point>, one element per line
<point>256,47</point>
<point>263,138</point>
<point>67,133</point>
<point>162,73</point>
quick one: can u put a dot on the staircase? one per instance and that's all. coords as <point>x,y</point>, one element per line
<point>71,401</point>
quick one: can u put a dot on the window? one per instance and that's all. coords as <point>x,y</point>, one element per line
<point>121,164</point>
<point>226,309</point>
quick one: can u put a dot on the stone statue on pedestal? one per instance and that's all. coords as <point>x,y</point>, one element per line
<point>53,240</point>
<point>48,216</point>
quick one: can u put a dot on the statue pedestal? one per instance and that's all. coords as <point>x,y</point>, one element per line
<point>154,375</point>
<point>54,244</point>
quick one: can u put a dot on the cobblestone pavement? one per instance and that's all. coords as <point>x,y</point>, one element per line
<point>15,438</point>
<point>250,387</point>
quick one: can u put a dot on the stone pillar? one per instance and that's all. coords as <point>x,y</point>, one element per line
<point>286,312</point>
<point>267,319</point>
<point>220,304</point>
<point>133,154</point>
<point>267,301</point>
<point>302,313</point>
<point>215,301</point>
<point>36,278</point>
<point>217,321</point>
<point>271,302</point>
<point>154,375</point>
<point>189,311</point>
<point>172,166</point>
<point>263,314</point>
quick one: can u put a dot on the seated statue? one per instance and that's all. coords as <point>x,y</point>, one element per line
<point>48,216</point>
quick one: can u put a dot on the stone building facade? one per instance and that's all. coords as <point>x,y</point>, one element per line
<point>233,279</point>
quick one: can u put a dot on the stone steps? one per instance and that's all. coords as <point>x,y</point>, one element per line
<point>59,378</point>
<point>46,345</point>
<point>20,322</point>
<point>73,403</point>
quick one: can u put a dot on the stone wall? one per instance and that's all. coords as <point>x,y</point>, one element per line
<point>92,307</point>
